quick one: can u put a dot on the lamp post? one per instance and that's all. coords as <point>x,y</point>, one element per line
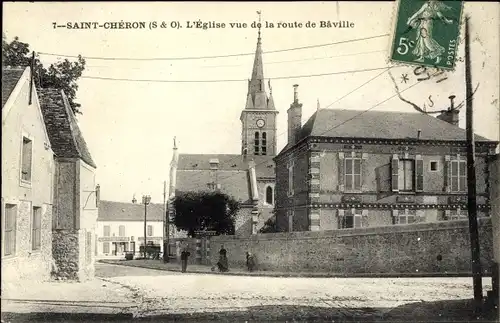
<point>145,200</point>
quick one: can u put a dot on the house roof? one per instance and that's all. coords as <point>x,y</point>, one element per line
<point>193,173</point>
<point>65,136</point>
<point>380,125</point>
<point>120,211</point>
<point>10,78</point>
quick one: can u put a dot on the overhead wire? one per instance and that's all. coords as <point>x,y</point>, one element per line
<point>211,57</point>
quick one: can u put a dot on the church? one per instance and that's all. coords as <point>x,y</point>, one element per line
<point>249,176</point>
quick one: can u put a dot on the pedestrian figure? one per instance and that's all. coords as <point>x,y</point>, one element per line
<point>184,259</point>
<point>250,261</point>
<point>223,263</point>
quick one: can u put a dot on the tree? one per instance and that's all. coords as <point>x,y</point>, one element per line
<point>196,211</point>
<point>61,75</point>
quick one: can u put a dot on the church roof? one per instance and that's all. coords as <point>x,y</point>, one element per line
<point>10,78</point>
<point>379,125</point>
<point>119,211</point>
<point>65,136</point>
<point>194,173</point>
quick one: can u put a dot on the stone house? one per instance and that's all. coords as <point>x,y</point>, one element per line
<point>27,181</point>
<point>249,176</point>
<point>75,193</point>
<point>350,169</point>
<point>120,227</point>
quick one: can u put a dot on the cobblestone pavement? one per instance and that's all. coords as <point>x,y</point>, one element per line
<point>366,299</point>
<point>130,294</point>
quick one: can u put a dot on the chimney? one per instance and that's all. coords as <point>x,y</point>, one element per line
<point>451,115</point>
<point>294,118</point>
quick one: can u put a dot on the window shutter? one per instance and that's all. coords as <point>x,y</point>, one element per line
<point>341,171</point>
<point>420,216</point>
<point>364,168</point>
<point>395,173</point>
<point>395,214</point>
<point>419,173</point>
<point>447,173</point>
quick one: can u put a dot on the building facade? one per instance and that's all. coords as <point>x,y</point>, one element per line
<point>27,181</point>
<point>120,227</point>
<point>249,177</point>
<point>75,192</point>
<point>349,169</point>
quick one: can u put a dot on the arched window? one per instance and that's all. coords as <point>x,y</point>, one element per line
<point>264,143</point>
<point>269,195</point>
<point>256,143</point>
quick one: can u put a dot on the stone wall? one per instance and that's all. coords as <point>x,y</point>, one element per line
<point>441,247</point>
<point>28,264</point>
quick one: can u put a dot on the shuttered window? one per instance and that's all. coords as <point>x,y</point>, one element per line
<point>36,224</point>
<point>27,152</point>
<point>150,230</point>
<point>121,230</point>
<point>395,173</point>
<point>105,247</point>
<point>9,231</point>
<point>107,231</point>
<point>458,175</point>
<point>290,178</point>
<point>419,174</point>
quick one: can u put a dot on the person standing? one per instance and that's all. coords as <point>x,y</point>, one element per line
<point>184,259</point>
<point>223,263</point>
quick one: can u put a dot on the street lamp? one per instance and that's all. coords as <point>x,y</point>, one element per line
<point>146,199</point>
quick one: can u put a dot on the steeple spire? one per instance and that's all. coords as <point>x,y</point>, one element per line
<point>257,86</point>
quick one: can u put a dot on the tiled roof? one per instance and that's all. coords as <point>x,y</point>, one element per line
<point>10,77</point>
<point>264,165</point>
<point>233,183</point>
<point>119,211</point>
<point>381,125</point>
<point>193,173</point>
<point>65,136</point>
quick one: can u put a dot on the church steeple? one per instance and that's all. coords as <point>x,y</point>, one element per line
<point>256,87</point>
<point>258,118</point>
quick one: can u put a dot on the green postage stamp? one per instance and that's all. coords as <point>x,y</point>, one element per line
<point>427,33</point>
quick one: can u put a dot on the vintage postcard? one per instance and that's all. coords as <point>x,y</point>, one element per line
<point>250,161</point>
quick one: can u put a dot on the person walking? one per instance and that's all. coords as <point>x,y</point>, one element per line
<point>223,263</point>
<point>184,259</point>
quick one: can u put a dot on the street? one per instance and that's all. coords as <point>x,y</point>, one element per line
<point>123,293</point>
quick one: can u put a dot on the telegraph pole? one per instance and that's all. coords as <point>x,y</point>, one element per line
<point>166,225</point>
<point>471,178</point>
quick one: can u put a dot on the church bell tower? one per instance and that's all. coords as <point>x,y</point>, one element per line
<point>258,119</point>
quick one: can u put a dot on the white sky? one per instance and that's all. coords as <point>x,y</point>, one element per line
<point>129,126</point>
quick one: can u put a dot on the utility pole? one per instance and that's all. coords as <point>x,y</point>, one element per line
<point>471,178</point>
<point>166,225</point>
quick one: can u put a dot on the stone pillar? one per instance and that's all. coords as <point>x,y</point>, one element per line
<point>198,251</point>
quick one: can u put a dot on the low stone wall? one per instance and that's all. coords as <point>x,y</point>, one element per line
<point>416,248</point>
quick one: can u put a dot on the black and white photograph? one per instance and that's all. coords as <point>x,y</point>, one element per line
<point>211,161</point>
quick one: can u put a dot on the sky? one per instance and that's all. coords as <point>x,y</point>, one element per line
<point>129,126</point>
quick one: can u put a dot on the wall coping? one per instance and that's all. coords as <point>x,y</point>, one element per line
<point>340,233</point>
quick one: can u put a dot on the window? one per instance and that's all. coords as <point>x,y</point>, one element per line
<point>10,230</point>
<point>290,220</point>
<point>269,195</point>
<point>351,219</point>
<point>458,215</point>
<point>256,144</point>
<point>290,179</point>
<point>150,230</point>
<point>105,247</point>
<point>406,174</point>
<point>36,223</point>
<point>406,217</point>
<point>107,231</point>
<point>458,175</point>
<point>264,143</point>
<point>212,186</point>
<point>433,166</point>
<point>352,174</point>
<point>26,160</point>
<point>121,230</point>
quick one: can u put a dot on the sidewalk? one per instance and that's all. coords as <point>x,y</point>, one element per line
<point>174,266</point>
<point>95,297</point>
